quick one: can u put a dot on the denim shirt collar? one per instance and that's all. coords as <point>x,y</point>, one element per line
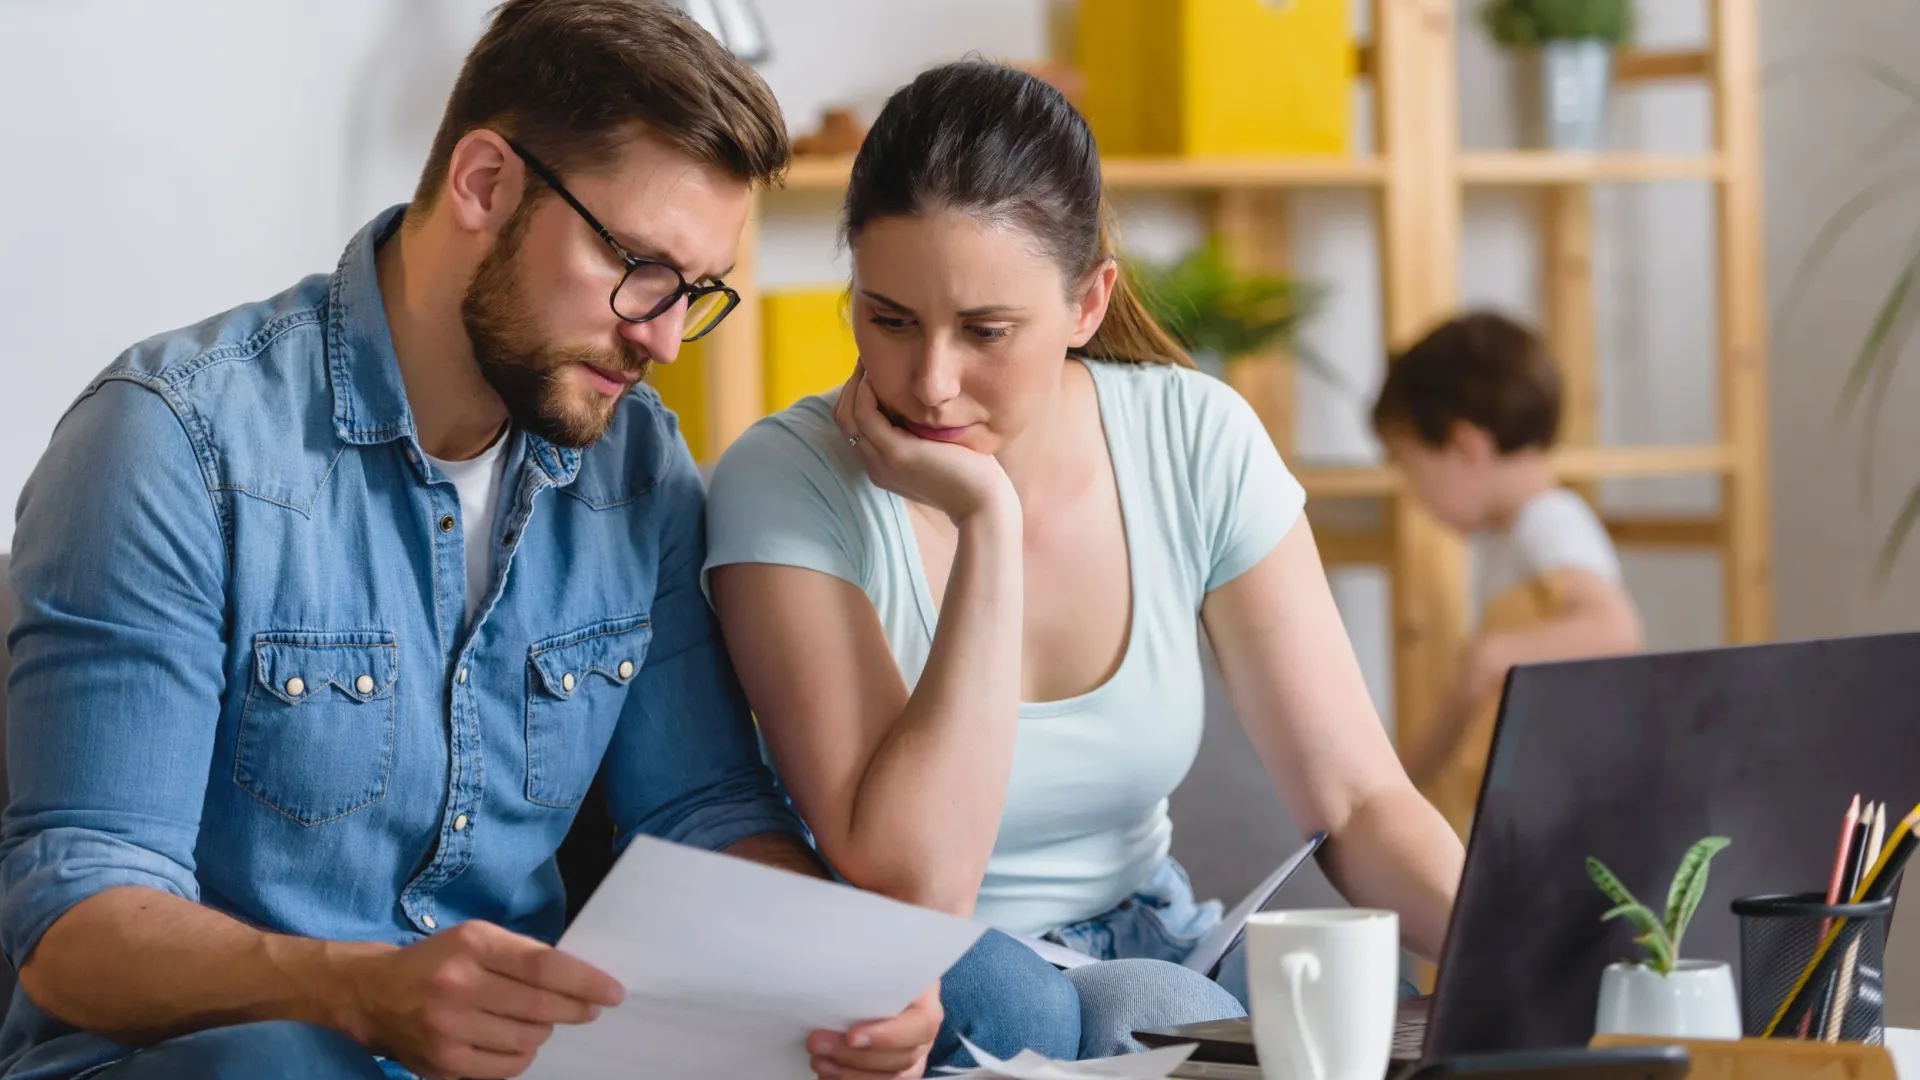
<point>369,396</point>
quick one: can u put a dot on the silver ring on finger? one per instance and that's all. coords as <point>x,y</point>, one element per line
<point>853,440</point>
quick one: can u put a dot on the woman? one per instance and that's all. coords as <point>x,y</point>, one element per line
<point>962,594</point>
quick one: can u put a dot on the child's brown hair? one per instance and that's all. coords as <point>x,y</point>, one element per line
<point>1479,368</point>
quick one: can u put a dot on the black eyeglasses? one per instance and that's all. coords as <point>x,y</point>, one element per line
<point>648,288</point>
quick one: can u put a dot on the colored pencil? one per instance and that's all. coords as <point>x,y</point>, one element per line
<point>1837,883</point>
<point>1842,996</point>
<point>1879,883</point>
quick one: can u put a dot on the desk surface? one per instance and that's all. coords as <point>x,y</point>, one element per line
<point>1902,1043</point>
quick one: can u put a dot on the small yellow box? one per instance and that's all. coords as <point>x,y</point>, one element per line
<point>683,388</point>
<point>808,345</point>
<point>1217,77</point>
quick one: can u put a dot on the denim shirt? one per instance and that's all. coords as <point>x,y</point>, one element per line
<point>242,672</point>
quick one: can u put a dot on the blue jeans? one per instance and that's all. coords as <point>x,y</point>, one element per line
<point>999,995</point>
<point>282,1050</point>
<point>1140,982</point>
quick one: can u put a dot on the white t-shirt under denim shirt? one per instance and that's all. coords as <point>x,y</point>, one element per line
<point>1203,496</point>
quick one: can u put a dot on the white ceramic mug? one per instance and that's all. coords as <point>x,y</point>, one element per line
<point>1324,990</point>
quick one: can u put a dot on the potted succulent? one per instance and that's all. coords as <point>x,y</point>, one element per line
<point>1567,70</point>
<point>1662,994</point>
<point>1220,314</point>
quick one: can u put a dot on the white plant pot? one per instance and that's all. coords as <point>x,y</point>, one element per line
<point>1563,90</point>
<point>1695,1001</point>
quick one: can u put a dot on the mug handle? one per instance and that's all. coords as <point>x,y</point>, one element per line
<point>1302,968</point>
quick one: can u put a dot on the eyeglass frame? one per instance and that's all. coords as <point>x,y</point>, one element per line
<point>690,293</point>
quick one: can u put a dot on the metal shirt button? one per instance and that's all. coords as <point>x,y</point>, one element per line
<point>446,523</point>
<point>296,686</point>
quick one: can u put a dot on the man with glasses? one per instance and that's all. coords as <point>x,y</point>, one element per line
<point>333,608</point>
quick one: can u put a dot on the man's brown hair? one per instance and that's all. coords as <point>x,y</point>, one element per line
<point>571,79</point>
<point>1480,368</point>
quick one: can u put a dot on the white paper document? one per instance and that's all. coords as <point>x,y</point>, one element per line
<point>1207,955</point>
<point>1152,1065</point>
<point>729,965</point>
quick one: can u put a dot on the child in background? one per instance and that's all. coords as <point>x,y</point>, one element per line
<point>1469,413</point>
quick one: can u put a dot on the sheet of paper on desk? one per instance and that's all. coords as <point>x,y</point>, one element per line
<point>1027,1065</point>
<point>1225,933</point>
<point>728,965</point>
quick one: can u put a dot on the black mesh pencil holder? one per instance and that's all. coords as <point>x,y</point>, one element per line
<point>1843,998</point>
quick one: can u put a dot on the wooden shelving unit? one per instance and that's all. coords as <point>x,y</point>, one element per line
<point>1416,177</point>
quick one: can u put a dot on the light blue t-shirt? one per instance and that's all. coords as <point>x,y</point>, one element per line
<point>1203,496</point>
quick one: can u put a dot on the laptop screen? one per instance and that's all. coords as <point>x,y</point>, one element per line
<point>1633,759</point>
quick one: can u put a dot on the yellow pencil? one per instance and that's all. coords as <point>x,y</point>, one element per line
<point>1896,847</point>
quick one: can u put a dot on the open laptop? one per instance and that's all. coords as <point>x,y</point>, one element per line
<point>1630,760</point>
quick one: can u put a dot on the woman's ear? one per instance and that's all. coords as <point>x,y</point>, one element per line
<point>1091,309</point>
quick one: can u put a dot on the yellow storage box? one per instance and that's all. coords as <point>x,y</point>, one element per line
<point>683,388</point>
<point>806,348</point>
<point>1217,77</point>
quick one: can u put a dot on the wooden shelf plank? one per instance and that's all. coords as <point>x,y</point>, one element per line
<point>1151,174</point>
<point>1348,546</point>
<point>1510,168</point>
<point>1681,534</point>
<point>829,174</point>
<point>1633,66</point>
<point>1629,65</point>
<point>1516,168</point>
<point>1573,464</point>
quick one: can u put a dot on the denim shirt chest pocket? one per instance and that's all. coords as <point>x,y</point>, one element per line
<point>316,737</point>
<point>576,687</point>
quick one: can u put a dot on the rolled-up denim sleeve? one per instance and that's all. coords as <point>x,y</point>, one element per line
<point>117,663</point>
<point>685,764</point>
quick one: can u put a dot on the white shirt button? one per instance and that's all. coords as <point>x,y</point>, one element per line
<point>566,682</point>
<point>463,676</point>
<point>296,686</point>
<point>427,921</point>
<point>626,669</point>
<point>460,823</point>
<point>364,684</point>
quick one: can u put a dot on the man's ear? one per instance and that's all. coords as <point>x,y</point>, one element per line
<point>1091,310</point>
<point>485,179</point>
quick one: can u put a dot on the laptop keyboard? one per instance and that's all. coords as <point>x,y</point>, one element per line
<point>1409,1037</point>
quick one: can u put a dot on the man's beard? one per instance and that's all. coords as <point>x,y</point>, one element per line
<point>524,370</point>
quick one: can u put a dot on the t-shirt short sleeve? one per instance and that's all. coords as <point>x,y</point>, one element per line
<point>1557,530</point>
<point>1245,497</point>
<point>777,499</point>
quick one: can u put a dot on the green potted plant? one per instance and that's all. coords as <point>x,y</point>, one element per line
<point>1662,994</point>
<point>1220,314</point>
<point>1880,201</point>
<point>1567,72</point>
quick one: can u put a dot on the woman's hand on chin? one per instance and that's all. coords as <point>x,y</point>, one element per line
<point>948,477</point>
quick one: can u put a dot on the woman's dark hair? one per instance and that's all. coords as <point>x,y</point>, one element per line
<point>995,143</point>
